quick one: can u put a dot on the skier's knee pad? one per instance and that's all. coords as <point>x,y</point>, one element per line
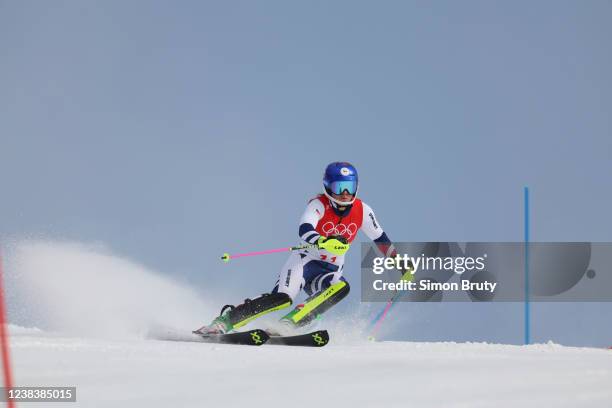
<point>320,302</point>
<point>253,308</point>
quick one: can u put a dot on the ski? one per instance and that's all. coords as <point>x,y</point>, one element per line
<point>255,337</point>
<point>317,338</point>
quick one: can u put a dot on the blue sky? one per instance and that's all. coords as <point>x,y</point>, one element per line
<point>175,131</point>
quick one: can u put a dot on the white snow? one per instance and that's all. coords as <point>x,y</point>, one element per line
<point>94,312</point>
<point>153,373</point>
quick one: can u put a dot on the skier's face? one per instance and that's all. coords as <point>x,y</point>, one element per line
<point>344,197</point>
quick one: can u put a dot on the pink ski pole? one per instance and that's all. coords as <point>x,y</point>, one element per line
<point>380,318</point>
<point>226,257</point>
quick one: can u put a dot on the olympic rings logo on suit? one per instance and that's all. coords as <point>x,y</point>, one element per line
<point>329,228</point>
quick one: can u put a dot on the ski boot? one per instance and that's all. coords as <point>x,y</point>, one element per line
<point>250,309</point>
<point>220,325</point>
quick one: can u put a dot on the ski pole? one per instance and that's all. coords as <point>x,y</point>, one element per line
<point>226,257</point>
<point>380,317</point>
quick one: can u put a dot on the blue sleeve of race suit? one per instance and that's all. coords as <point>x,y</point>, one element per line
<point>308,233</point>
<point>310,218</point>
<point>383,239</point>
<point>385,245</point>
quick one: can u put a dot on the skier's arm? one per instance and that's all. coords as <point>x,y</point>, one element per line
<point>374,231</point>
<point>310,218</point>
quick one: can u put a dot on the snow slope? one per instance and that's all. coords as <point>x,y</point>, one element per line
<point>97,313</point>
<point>153,373</point>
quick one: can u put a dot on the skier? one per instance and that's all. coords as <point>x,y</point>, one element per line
<point>329,223</point>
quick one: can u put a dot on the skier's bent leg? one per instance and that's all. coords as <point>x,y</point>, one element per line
<point>237,316</point>
<point>317,304</point>
<point>254,308</point>
<point>291,279</point>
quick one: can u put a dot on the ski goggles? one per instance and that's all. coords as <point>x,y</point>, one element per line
<point>337,187</point>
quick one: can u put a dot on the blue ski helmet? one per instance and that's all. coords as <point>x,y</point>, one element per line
<point>340,177</point>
